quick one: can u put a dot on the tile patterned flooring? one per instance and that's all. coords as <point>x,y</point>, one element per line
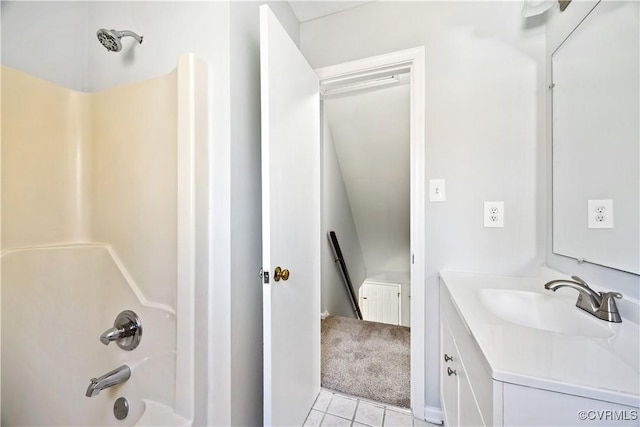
<point>336,409</point>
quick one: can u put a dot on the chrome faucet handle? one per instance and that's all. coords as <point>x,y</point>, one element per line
<point>126,331</point>
<point>111,335</point>
<point>579,280</point>
<point>608,309</point>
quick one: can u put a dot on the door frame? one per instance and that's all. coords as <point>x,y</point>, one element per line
<point>412,60</point>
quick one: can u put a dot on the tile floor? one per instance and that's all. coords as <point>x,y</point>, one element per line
<point>336,409</point>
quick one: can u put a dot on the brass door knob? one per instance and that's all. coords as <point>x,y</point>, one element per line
<point>279,273</point>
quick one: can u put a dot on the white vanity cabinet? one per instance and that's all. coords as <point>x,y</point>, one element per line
<point>518,379</point>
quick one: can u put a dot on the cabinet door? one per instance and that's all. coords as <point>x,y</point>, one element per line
<point>448,379</point>
<point>468,412</point>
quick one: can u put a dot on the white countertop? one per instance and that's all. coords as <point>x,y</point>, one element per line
<point>599,368</point>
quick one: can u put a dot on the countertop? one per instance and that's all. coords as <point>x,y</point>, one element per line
<point>607,369</point>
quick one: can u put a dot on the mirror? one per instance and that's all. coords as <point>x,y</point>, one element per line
<point>596,132</point>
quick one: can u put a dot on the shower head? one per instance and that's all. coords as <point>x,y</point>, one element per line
<point>111,38</point>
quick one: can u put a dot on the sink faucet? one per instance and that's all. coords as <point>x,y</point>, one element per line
<point>117,376</point>
<point>601,305</point>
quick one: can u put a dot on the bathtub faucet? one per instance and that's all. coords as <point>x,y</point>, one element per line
<point>117,376</point>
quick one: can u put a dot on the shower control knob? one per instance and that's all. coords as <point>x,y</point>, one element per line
<point>126,331</point>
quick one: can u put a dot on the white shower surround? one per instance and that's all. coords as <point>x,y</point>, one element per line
<point>161,388</point>
<point>64,319</point>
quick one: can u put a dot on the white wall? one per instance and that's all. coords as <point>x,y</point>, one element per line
<point>485,131</point>
<point>559,25</point>
<point>371,135</point>
<point>337,216</point>
<point>47,40</point>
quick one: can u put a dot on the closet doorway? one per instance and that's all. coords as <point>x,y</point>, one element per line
<point>291,230</point>
<point>372,167</point>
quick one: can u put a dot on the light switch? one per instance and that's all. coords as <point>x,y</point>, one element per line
<point>437,190</point>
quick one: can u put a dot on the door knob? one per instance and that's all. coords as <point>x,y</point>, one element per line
<point>279,273</point>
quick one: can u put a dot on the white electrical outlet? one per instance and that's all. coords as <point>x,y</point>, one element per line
<point>494,214</point>
<point>600,213</point>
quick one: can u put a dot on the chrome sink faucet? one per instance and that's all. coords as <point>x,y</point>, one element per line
<point>117,376</point>
<point>601,305</point>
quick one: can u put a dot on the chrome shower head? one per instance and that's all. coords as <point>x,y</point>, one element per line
<point>111,38</point>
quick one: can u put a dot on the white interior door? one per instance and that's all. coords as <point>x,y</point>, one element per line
<point>290,225</point>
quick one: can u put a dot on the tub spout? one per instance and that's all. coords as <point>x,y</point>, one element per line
<point>117,376</point>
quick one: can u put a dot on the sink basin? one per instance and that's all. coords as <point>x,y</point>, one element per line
<point>544,312</point>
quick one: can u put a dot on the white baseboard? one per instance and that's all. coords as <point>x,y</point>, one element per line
<point>433,415</point>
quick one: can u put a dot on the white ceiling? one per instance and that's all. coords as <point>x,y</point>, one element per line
<point>308,10</point>
<point>371,137</point>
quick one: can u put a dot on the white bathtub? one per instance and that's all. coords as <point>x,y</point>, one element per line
<point>56,301</point>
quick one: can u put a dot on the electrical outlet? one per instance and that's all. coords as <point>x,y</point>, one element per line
<point>494,214</point>
<point>600,213</point>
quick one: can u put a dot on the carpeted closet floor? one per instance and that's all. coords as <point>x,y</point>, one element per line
<point>366,359</point>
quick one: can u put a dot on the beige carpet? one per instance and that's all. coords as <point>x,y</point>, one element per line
<point>366,359</point>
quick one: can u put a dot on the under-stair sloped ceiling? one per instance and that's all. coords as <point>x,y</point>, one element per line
<point>371,137</point>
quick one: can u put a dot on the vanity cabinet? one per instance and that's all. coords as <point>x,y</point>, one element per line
<point>471,396</point>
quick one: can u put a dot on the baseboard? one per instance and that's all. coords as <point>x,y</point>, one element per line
<point>433,415</point>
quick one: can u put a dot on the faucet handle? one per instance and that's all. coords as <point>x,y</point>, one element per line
<point>608,307</point>
<point>112,335</point>
<point>579,280</point>
<point>608,302</point>
<point>126,331</point>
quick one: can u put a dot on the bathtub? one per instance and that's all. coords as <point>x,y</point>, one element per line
<point>56,301</point>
